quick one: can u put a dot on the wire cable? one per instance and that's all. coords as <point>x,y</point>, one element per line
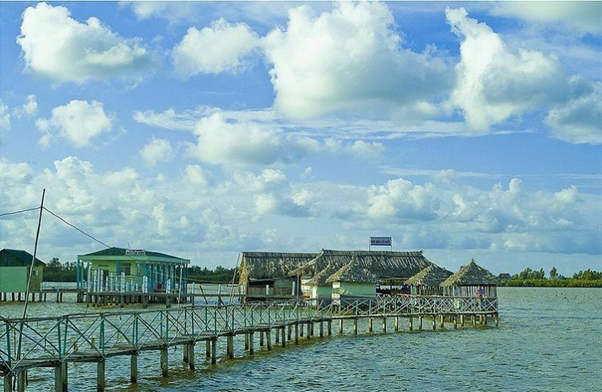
<point>19,212</point>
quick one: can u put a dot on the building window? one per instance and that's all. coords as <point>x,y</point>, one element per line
<point>125,267</point>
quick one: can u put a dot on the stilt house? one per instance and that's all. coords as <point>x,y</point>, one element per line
<point>468,280</point>
<point>428,281</point>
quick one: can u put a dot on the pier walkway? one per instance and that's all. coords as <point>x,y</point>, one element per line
<point>55,342</point>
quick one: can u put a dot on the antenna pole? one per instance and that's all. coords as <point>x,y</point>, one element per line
<point>35,251</point>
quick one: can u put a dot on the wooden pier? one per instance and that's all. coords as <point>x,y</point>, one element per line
<point>55,342</point>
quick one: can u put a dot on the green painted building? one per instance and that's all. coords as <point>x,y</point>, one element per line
<point>132,270</point>
<point>14,272</point>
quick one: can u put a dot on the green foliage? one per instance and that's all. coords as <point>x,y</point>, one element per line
<point>528,273</point>
<point>570,282</point>
<point>588,275</point>
<point>219,275</point>
<point>55,271</point>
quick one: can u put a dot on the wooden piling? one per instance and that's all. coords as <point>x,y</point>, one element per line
<point>213,351</point>
<point>396,325</point>
<point>100,376</point>
<point>164,362</point>
<point>297,333</point>
<point>191,363</point>
<point>8,383</point>
<point>251,348</point>
<point>370,325</point>
<point>21,380</point>
<point>340,326</point>
<point>230,346</point>
<point>384,329</point>
<point>268,338</point>
<point>134,368</point>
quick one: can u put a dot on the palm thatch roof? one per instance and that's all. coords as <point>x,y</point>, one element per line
<point>362,266</point>
<point>471,275</point>
<point>270,265</point>
<point>431,276</point>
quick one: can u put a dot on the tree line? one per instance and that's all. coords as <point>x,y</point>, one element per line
<point>533,278</point>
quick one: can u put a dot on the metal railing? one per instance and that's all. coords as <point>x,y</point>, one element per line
<point>31,342</point>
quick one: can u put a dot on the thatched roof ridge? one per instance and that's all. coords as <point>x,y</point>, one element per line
<point>431,276</point>
<point>329,265</point>
<point>267,265</point>
<point>471,275</point>
<point>352,272</point>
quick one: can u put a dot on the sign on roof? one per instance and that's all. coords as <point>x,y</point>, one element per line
<point>135,252</point>
<point>380,241</point>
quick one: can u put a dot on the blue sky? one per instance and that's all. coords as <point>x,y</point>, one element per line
<point>467,130</point>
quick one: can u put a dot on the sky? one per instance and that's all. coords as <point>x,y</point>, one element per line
<point>468,130</point>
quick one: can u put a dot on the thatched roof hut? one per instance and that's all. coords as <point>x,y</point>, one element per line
<point>469,279</point>
<point>363,266</point>
<point>428,280</point>
<point>269,265</point>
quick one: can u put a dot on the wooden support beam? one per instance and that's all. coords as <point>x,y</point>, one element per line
<point>384,329</point>
<point>191,363</point>
<point>8,383</point>
<point>100,376</point>
<point>213,351</point>
<point>164,362</point>
<point>230,346</point>
<point>134,368</point>
<point>251,343</point>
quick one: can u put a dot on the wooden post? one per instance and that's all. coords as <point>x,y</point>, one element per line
<point>455,321</point>
<point>369,324</point>
<point>21,380</point>
<point>410,324</point>
<point>251,348</point>
<point>290,331</point>
<point>64,377</point>
<point>497,320</point>
<point>8,383</point>
<point>268,337</point>
<point>340,326</point>
<point>277,338</point>
<point>396,325</point>
<point>301,329</point>
<point>230,346</point>
<point>208,349</point>
<point>261,338</point>
<point>283,338</point>
<point>434,322</point>
<point>58,386</point>
<point>384,330</point>
<point>164,362</point>
<point>191,364</point>
<point>297,333</point>
<point>100,376</point>
<point>420,323</point>
<point>213,351</point>
<point>462,320</point>
<point>355,326</point>
<point>442,322</point>
<point>247,342</point>
<point>134,368</point>
<point>185,353</point>
<point>321,328</point>
<point>329,327</point>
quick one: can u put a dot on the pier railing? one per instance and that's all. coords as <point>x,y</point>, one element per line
<point>50,341</point>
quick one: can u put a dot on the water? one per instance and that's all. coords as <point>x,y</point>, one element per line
<point>547,340</point>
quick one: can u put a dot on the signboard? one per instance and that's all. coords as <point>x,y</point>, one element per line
<point>380,241</point>
<point>135,252</point>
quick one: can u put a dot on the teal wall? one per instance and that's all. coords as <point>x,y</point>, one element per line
<point>14,279</point>
<point>356,289</point>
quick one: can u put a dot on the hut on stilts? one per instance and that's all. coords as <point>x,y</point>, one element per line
<point>470,281</point>
<point>428,281</point>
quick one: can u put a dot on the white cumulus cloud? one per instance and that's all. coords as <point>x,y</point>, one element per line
<point>246,143</point>
<point>4,116</point>
<point>157,151</point>
<point>61,48</point>
<point>580,119</point>
<point>495,83</point>
<point>222,47</point>
<point>28,109</point>
<point>580,16</point>
<point>79,122</point>
<point>348,60</point>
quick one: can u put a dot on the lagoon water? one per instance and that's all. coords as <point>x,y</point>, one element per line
<point>548,339</point>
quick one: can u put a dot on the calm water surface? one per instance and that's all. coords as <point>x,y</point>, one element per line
<point>548,340</point>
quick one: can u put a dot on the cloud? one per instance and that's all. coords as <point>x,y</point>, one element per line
<point>222,47</point>
<point>401,200</point>
<point>4,117</point>
<point>157,151</point>
<point>60,48</point>
<point>172,11</point>
<point>348,60</point>
<point>78,122</point>
<point>580,119</point>
<point>243,144</point>
<point>579,16</point>
<point>196,176</point>
<point>494,84</point>
<point>273,194</point>
<point>28,109</point>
